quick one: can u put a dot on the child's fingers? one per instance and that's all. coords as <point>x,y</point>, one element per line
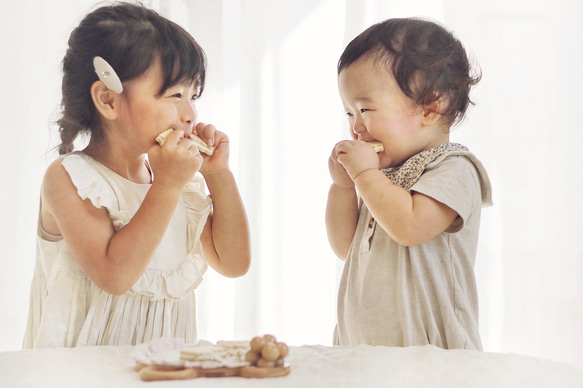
<point>187,145</point>
<point>339,174</point>
<point>170,136</point>
<point>342,147</point>
<point>206,132</point>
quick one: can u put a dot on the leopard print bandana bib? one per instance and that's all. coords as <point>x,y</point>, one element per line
<point>408,173</point>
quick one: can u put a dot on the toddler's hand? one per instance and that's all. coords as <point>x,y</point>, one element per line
<point>176,162</point>
<point>356,156</point>
<point>219,160</point>
<point>338,173</point>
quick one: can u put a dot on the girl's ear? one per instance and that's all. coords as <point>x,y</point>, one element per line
<point>106,101</point>
<point>432,112</point>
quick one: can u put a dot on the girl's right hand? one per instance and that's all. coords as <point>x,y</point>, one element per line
<point>338,173</point>
<point>175,163</point>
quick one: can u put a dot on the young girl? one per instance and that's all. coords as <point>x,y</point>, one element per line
<point>126,228</point>
<point>406,220</point>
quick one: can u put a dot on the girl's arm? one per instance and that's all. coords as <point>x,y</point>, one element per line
<point>226,237</point>
<point>115,260</point>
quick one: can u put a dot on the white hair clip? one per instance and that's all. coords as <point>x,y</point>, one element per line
<point>107,75</point>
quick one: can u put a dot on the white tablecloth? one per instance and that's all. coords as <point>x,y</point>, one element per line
<point>311,366</point>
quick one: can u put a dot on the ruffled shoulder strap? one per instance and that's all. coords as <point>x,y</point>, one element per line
<point>89,180</point>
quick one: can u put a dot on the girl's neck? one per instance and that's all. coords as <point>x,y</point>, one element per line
<point>128,165</point>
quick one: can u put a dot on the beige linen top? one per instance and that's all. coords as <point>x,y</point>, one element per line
<point>394,295</point>
<point>67,309</point>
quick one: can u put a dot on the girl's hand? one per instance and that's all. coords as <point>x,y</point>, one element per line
<point>175,163</point>
<point>219,160</point>
<point>355,156</point>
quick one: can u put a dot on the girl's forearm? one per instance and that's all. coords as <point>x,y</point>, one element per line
<point>130,250</point>
<point>341,218</point>
<point>229,225</point>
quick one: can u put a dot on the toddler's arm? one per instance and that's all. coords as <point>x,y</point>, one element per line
<point>341,208</point>
<point>409,218</point>
<point>341,218</point>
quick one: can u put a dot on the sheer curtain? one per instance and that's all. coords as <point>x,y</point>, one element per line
<point>272,87</point>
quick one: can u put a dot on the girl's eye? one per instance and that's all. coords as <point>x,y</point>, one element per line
<point>364,110</point>
<point>177,95</point>
<point>195,97</point>
<point>349,114</point>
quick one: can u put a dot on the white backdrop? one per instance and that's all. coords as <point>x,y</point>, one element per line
<point>272,87</point>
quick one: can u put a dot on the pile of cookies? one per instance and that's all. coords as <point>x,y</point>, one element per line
<point>266,352</point>
<point>166,359</point>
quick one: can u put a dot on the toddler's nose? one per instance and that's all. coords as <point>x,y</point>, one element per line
<point>358,127</point>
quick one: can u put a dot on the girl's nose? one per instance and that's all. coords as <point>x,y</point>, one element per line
<point>188,112</point>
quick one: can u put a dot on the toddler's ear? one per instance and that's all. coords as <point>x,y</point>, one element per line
<point>106,101</point>
<point>432,112</point>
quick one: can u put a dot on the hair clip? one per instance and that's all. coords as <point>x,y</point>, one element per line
<point>107,75</point>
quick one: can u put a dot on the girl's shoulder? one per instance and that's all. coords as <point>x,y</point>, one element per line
<point>77,173</point>
<point>73,158</point>
<point>65,167</point>
<point>61,191</point>
<point>55,172</point>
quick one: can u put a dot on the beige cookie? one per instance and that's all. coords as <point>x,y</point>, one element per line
<point>377,146</point>
<point>202,146</point>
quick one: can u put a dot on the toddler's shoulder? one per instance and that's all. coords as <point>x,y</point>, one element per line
<point>466,169</point>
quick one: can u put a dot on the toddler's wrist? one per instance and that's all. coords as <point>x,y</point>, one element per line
<point>363,172</point>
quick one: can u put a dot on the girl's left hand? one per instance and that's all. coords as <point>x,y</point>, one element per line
<point>219,160</point>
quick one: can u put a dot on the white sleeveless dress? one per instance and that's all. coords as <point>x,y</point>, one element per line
<point>67,309</point>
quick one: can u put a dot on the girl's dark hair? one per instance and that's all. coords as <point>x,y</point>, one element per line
<point>130,37</point>
<point>427,61</point>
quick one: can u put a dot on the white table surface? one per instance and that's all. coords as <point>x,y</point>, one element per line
<point>311,366</point>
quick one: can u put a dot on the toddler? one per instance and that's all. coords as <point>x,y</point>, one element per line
<point>406,219</point>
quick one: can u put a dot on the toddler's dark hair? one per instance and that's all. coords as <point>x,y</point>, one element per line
<point>130,37</point>
<point>427,61</point>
